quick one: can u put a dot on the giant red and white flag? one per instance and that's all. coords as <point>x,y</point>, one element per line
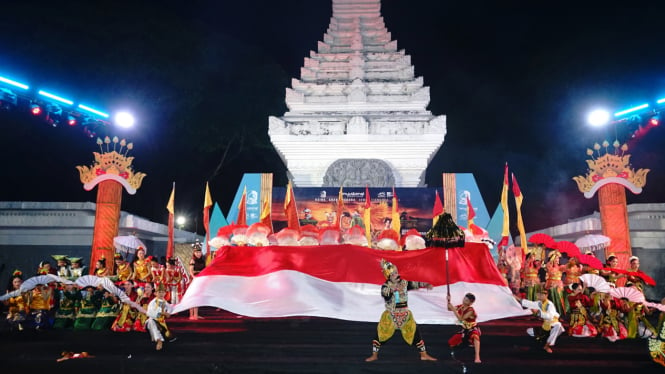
<point>344,282</point>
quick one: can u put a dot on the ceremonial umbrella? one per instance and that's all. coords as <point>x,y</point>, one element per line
<point>629,293</point>
<point>647,279</point>
<point>568,248</point>
<point>127,245</point>
<point>592,242</point>
<point>541,238</point>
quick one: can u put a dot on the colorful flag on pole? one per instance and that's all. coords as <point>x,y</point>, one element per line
<point>207,203</point>
<point>367,216</point>
<point>170,206</point>
<point>340,207</point>
<point>290,209</point>
<point>505,232</point>
<point>242,209</point>
<point>266,214</point>
<point>438,208</point>
<point>520,222</point>
<point>395,223</point>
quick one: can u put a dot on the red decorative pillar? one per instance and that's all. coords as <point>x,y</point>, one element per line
<point>614,221</point>
<point>107,220</point>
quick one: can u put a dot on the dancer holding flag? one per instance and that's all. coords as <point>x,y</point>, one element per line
<point>397,315</point>
<point>470,333</point>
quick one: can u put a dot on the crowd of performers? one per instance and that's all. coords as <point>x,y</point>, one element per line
<point>138,296</point>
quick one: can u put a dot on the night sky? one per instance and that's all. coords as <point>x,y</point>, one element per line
<point>515,80</point>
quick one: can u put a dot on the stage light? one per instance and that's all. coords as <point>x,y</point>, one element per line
<point>630,110</point>
<point>660,101</point>
<point>598,117</point>
<point>93,110</point>
<point>14,83</point>
<point>8,99</point>
<point>71,120</point>
<point>53,114</point>
<point>654,121</point>
<point>56,97</point>
<point>36,110</point>
<point>124,119</point>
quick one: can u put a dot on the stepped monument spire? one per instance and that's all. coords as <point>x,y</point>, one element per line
<point>358,115</point>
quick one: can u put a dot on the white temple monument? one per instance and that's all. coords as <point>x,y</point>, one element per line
<point>357,115</point>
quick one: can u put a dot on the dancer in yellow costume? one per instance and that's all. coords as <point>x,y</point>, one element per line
<point>397,315</point>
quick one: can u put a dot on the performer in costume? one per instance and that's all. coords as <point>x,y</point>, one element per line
<point>173,280</point>
<point>156,271</point>
<point>100,268</point>
<point>397,315</point>
<point>196,265</point>
<point>532,283</point>
<point>39,305</point>
<point>470,333</point>
<point>637,324</point>
<point>18,306</point>
<point>69,302</point>
<point>77,269</point>
<point>551,328</point>
<point>140,268</point>
<point>158,310</point>
<point>580,322</point>
<point>635,268</point>
<point>124,322</point>
<point>108,311</point>
<point>610,325</point>
<point>62,266</point>
<point>90,300</point>
<point>554,284</point>
<point>657,343</point>
<point>144,297</point>
<point>611,276</point>
<point>123,270</point>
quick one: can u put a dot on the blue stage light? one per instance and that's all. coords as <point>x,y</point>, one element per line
<point>630,110</point>
<point>14,83</point>
<point>55,97</point>
<point>94,111</point>
<point>660,101</point>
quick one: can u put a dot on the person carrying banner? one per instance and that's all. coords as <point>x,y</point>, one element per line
<point>397,315</point>
<point>470,333</point>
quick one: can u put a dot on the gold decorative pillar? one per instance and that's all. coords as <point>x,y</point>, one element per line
<point>610,175</point>
<point>112,170</point>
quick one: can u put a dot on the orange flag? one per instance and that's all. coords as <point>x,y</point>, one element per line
<point>266,214</point>
<point>518,203</point>
<point>340,207</point>
<point>505,232</point>
<point>470,216</point>
<point>367,216</point>
<point>207,203</point>
<point>290,209</point>
<point>438,208</point>
<point>395,224</point>
<point>242,208</point>
<point>170,206</point>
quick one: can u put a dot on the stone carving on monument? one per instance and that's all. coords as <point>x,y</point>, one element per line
<point>357,99</point>
<point>111,171</point>
<point>610,174</point>
<point>359,173</point>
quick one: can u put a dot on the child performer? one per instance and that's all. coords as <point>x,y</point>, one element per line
<point>470,333</point>
<point>158,310</point>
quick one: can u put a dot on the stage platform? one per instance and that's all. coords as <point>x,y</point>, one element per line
<point>223,342</point>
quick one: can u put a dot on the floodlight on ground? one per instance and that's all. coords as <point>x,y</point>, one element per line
<point>598,117</point>
<point>124,120</point>
<point>14,83</point>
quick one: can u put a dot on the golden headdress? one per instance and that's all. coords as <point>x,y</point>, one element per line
<point>388,268</point>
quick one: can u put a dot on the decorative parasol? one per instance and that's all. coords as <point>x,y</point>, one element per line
<point>591,261</point>
<point>629,293</point>
<point>638,274</point>
<point>127,245</point>
<point>596,282</point>
<point>592,242</point>
<point>10,294</point>
<point>543,239</point>
<point>568,248</point>
<point>35,281</point>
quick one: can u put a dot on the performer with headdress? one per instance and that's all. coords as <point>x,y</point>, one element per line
<point>196,265</point>
<point>158,310</point>
<point>69,301</point>
<point>397,315</point>
<point>141,268</point>
<point>531,282</point>
<point>173,280</point>
<point>580,321</point>
<point>611,276</point>
<point>76,269</point>
<point>637,282</point>
<point>100,268</point>
<point>17,304</point>
<point>123,270</point>
<point>144,297</point>
<point>124,322</point>
<point>554,283</point>
<point>62,266</point>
